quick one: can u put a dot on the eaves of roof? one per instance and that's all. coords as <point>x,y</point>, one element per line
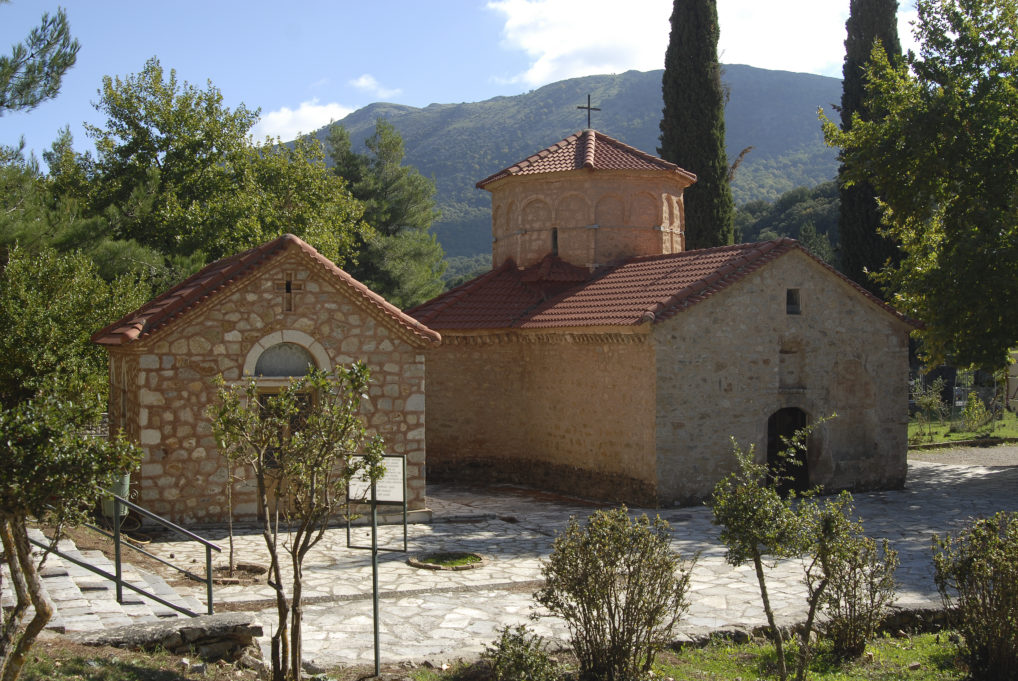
<point>213,278</point>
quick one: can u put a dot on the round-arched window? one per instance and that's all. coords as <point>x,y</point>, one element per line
<point>284,359</point>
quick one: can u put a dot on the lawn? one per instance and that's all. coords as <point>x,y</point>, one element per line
<point>924,657</point>
<point>954,431</point>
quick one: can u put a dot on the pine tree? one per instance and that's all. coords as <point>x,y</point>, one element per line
<point>693,122</point>
<point>863,249</point>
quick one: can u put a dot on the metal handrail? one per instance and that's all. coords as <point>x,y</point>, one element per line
<point>163,521</point>
<point>49,548</point>
<point>117,543</point>
<point>117,578</point>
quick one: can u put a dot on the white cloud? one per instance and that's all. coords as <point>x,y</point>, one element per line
<point>569,38</point>
<point>287,123</point>
<point>368,84</point>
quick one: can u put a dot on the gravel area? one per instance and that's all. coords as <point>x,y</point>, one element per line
<point>1001,455</point>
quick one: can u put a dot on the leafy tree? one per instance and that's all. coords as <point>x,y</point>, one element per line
<point>303,453</point>
<point>176,173</point>
<point>864,248</point>
<point>24,213</point>
<point>284,189</point>
<point>621,589</point>
<point>756,523</point>
<point>35,67</point>
<point>816,243</point>
<point>49,470</point>
<point>807,214</point>
<point>845,577</point>
<point>403,261</point>
<point>941,150</point>
<point>50,304</point>
<point>165,157</point>
<point>693,121</point>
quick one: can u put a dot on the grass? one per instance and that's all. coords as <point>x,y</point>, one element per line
<point>952,431</point>
<point>451,559</point>
<point>924,657</point>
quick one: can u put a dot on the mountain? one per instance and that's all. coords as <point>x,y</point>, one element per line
<point>775,112</point>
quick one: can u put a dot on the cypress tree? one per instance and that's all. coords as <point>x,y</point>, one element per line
<point>693,121</point>
<point>862,246</point>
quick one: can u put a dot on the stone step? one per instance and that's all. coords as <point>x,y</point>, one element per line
<point>85,601</point>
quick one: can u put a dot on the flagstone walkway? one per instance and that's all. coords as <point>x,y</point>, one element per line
<point>441,615</point>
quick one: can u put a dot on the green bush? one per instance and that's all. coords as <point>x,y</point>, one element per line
<point>621,590</point>
<point>977,572</point>
<point>975,416</point>
<point>860,589</point>
<point>520,656</point>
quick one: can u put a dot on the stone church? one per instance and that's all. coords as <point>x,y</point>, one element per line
<point>270,313</point>
<point>600,358</point>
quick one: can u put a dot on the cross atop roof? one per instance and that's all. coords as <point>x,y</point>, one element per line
<point>589,108</point>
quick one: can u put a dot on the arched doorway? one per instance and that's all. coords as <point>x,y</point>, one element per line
<point>790,474</point>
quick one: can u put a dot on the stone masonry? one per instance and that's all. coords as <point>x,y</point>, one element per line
<point>162,383</point>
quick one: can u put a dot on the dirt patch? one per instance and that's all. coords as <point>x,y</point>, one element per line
<point>1001,455</point>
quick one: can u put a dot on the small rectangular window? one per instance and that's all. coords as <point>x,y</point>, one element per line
<point>792,301</point>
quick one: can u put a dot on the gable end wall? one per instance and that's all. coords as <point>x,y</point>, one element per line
<point>182,476</point>
<point>727,363</point>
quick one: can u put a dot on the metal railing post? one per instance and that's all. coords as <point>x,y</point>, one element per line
<point>116,550</point>
<point>208,576</point>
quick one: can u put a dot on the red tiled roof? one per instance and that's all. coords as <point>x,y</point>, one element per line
<point>197,288</point>
<point>642,289</point>
<point>587,149</point>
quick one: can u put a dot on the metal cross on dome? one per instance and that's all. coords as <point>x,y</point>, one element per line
<point>589,108</point>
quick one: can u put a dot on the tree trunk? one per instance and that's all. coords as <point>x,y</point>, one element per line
<point>778,643</point>
<point>13,621</point>
<point>297,615</point>
<point>43,608</point>
<point>805,651</point>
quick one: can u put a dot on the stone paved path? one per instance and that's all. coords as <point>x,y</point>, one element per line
<point>444,615</point>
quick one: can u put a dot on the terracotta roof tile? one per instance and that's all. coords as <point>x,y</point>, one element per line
<point>587,149</point>
<point>636,291</point>
<point>191,292</point>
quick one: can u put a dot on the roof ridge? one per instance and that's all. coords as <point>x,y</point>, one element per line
<point>168,306</point>
<point>590,137</point>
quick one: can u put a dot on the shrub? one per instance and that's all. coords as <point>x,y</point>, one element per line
<point>929,405</point>
<point>520,656</point>
<point>978,572</point>
<point>975,416</point>
<point>860,586</point>
<point>621,590</point>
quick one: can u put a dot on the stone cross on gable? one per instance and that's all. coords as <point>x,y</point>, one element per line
<point>589,108</point>
<point>288,287</point>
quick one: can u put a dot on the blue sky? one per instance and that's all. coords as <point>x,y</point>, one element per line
<point>304,62</point>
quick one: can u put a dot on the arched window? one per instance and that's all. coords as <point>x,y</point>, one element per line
<point>284,359</point>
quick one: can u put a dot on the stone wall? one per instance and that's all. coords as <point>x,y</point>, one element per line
<point>162,385</point>
<point>597,217</point>
<point>563,411</point>
<point>726,364</point>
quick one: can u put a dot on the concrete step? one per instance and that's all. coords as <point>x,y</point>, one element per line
<point>85,601</point>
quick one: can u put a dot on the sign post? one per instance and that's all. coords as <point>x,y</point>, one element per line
<point>391,491</point>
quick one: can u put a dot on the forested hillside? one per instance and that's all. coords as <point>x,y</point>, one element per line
<point>775,112</point>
